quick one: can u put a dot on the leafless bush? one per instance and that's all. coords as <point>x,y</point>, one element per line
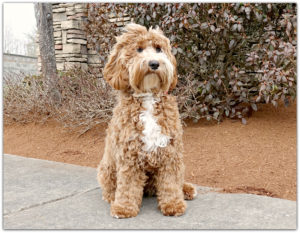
<point>24,99</point>
<point>85,100</point>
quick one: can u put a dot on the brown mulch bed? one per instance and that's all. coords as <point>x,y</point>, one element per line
<point>258,158</point>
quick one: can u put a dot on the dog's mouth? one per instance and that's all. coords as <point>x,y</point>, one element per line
<point>143,79</point>
<point>151,82</point>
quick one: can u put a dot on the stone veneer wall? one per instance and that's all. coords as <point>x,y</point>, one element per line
<point>71,48</point>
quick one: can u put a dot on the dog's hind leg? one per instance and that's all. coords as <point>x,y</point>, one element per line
<point>189,191</point>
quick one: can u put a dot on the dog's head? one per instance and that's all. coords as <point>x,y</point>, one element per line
<point>141,60</point>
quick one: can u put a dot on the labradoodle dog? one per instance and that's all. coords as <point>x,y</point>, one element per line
<point>143,148</point>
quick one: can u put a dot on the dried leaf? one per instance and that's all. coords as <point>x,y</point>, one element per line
<point>253,106</point>
<point>239,27</point>
<point>226,112</point>
<point>231,43</point>
<point>204,25</point>
<point>244,121</point>
<point>234,27</point>
<point>286,102</point>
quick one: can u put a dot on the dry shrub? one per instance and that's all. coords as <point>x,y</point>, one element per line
<point>24,99</point>
<point>84,100</point>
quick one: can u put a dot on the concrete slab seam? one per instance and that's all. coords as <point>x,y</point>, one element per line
<point>48,202</point>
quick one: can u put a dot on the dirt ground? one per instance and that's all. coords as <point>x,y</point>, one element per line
<point>259,157</point>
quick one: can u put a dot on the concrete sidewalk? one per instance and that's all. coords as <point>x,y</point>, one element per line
<point>40,194</point>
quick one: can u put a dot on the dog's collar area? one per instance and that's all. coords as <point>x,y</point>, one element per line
<point>142,95</point>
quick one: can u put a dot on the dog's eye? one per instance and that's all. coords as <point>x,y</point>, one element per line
<point>140,49</point>
<point>158,49</point>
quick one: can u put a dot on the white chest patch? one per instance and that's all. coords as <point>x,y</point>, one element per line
<point>152,136</point>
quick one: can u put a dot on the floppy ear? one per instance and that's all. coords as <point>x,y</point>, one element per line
<point>115,72</point>
<point>174,80</point>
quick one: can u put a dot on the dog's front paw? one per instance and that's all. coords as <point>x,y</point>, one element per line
<point>123,211</point>
<point>173,208</point>
<point>189,191</point>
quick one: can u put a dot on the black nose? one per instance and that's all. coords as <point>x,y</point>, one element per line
<point>153,64</point>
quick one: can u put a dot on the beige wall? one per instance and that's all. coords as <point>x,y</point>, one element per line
<point>19,64</point>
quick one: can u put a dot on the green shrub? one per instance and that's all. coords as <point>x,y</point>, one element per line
<point>230,56</point>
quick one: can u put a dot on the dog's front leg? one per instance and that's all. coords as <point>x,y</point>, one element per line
<point>129,192</point>
<point>169,189</point>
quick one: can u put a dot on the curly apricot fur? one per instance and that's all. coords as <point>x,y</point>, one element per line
<point>127,170</point>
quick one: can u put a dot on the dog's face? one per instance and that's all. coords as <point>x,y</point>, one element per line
<point>141,60</point>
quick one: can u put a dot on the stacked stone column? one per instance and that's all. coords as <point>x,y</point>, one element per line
<point>71,49</point>
<point>70,36</point>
